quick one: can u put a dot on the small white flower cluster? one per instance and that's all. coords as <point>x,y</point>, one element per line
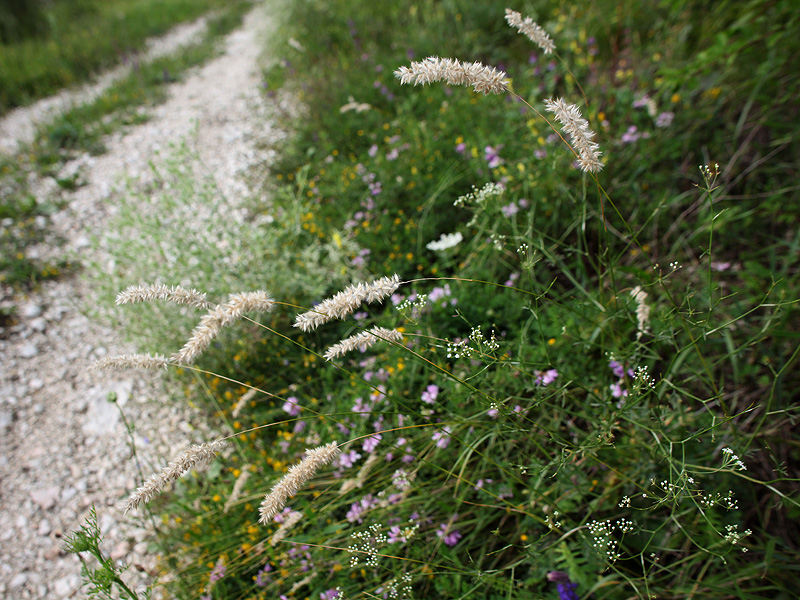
<point>366,542</point>
<point>400,479</point>
<point>523,249</point>
<point>625,502</point>
<point>731,459</point>
<point>476,335</point>
<point>497,241</point>
<point>551,522</point>
<point>459,349</point>
<point>734,536</point>
<point>603,542</point>
<point>643,378</point>
<point>397,588</point>
<point>710,500</point>
<point>480,196</point>
<point>445,242</point>
<point>418,304</point>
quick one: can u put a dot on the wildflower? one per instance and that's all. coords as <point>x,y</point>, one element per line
<point>445,241</point>
<point>483,79</point>
<point>371,442</point>
<point>330,594</point>
<point>366,503</point>
<point>262,577</point>
<point>617,391</point>
<point>297,476</point>
<point>345,302</point>
<point>430,394</point>
<point>362,341</point>
<point>631,135</point>
<point>450,538</point>
<point>156,482</point>
<point>218,572</point>
<point>359,107</point>
<point>480,196</point>
<point>492,156</point>
<point>400,479</point>
<point>288,522</point>
<point>578,130</point>
<point>545,377</point>
<point>664,119</point>
<point>442,437</point>
<point>531,30</point>
<point>566,588</point>
<point>291,406</point>
<point>509,210</point>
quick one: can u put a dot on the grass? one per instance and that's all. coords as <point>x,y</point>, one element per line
<point>82,129</point>
<point>595,385</point>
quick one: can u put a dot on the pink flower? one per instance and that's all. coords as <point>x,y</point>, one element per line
<point>291,406</point>
<point>545,377</point>
<point>430,394</point>
<point>442,438</point>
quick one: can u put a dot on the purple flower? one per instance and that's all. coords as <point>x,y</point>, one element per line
<point>262,577</point>
<point>493,413</point>
<point>566,588</point>
<point>461,148</point>
<point>363,505</point>
<point>348,459</point>
<point>641,102</point>
<point>450,538</point>
<point>329,594</point>
<point>430,394</point>
<point>665,119</point>
<point>512,279</point>
<point>217,573</point>
<point>291,406</point>
<point>545,377</point>
<point>492,156</point>
<point>617,391</point>
<point>442,438</point>
<point>509,210</point>
<point>371,443</point>
<point>393,154</point>
<point>481,482</point>
<point>373,150</point>
<point>617,369</point>
<point>631,135</point>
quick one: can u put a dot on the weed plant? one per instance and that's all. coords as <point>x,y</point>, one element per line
<point>592,394</point>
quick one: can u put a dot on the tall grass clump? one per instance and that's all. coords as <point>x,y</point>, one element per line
<point>545,365</point>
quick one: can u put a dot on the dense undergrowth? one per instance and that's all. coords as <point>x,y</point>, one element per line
<point>597,372</point>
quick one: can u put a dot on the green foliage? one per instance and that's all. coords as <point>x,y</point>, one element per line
<point>596,380</point>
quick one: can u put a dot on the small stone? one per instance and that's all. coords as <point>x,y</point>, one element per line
<point>6,418</point>
<point>66,585</point>
<point>28,351</point>
<point>120,551</point>
<point>82,242</point>
<point>44,527</point>
<point>21,522</point>
<point>18,581</point>
<point>35,385</point>
<point>38,324</point>
<point>45,497</point>
<point>31,311</point>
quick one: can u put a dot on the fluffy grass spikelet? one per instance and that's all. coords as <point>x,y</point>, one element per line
<point>580,135</point>
<point>295,479</point>
<point>345,302</point>
<point>221,316</point>
<point>531,30</point>
<point>158,291</point>
<point>483,79</point>
<point>197,453</point>
<point>362,341</point>
<point>133,361</point>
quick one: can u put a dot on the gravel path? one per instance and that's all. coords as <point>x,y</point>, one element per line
<point>62,445</point>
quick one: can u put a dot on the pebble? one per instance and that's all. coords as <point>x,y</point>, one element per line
<point>27,351</point>
<point>31,311</point>
<point>45,497</point>
<point>38,324</point>
<point>18,581</point>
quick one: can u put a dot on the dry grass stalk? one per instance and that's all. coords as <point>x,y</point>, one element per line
<point>219,317</point>
<point>295,479</point>
<point>579,133</point>
<point>197,453</point>
<point>237,488</point>
<point>288,522</point>
<point>133,361</point>
<point>246,397</point>
<point>158,291</point>
<point>345,302</point>
<point>483,79</point>
<point>642,311</point>
<point>531,30</point>
<point>362,341</point>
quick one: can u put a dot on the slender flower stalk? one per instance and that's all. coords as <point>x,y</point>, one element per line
<point>362,341</point>
<point>158,291</point>
<point>237,488</point>
<point>345,302</point>
<point>246,397</point>
<point>295,479</point>
<point>579,133</point>
<point>288,522</point>
<point>134,361</point>
<point>531,30</point>
<point>483,79</point>
<point>219,317</point>
<point>197,453</point>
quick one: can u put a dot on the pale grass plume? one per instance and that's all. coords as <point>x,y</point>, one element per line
<point>483,79</point>
<point>237,488</point>
<point>350,484</point>
<point>158,291</point>
<point>197,453</point>
<point>362,341</point>
<point>642,311</point>
<point>531,30</point>
<point>242,402</point>
<point>221,316</point>
<point>346,301</point>
<point>580,136</point>
<point>133,361</point>
<point>295,479</point>
<point>289,521</point>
